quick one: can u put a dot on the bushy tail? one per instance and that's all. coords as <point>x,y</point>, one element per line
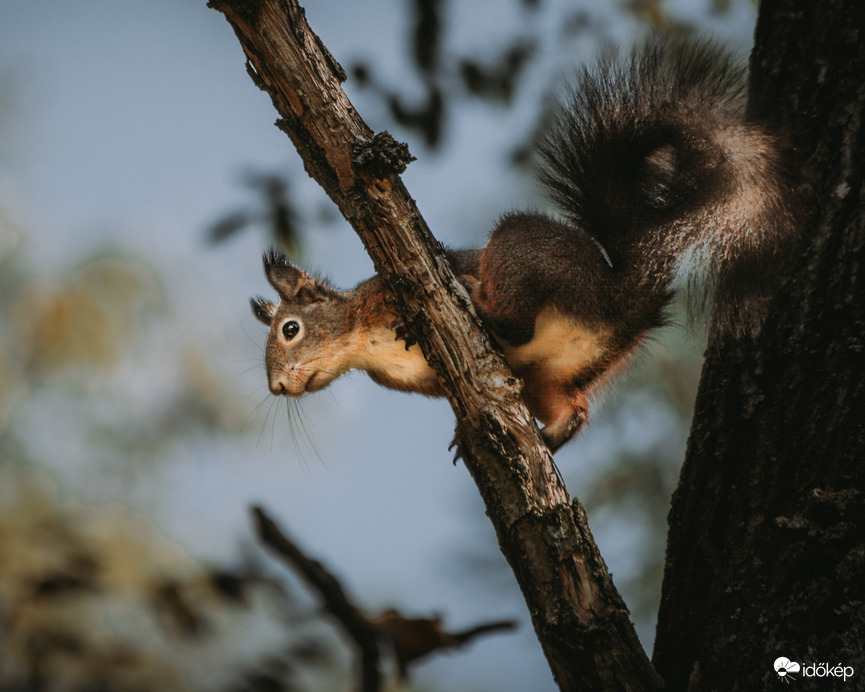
<point>654,157</point>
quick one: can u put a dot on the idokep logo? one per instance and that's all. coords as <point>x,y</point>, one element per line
<point>788,670</point>
<point>785,668</point>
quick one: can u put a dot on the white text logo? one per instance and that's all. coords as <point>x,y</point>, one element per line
<point>787,670</point>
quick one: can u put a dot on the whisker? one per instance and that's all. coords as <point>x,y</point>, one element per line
<point>302,420</point>
<point>253,413</point>
<point>275,409</point>
<point>255,366</point>
<point>291,405</point>
<point>270,404</point>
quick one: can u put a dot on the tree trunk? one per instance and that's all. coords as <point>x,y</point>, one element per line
<point>766,551</point>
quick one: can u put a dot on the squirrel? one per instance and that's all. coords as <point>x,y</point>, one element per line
<point>656,168</point>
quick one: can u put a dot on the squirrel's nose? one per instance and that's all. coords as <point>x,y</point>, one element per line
<point>277,388</point>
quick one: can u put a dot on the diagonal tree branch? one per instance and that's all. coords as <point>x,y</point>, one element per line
<point>579,617</point>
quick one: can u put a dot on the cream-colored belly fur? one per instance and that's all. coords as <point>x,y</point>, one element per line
<point>389,363</point>
<point>561,348</point>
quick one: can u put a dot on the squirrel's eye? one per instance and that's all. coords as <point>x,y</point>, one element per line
<point>290,329</point>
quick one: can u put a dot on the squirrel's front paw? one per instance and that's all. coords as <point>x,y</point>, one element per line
<point>401,333</point>
<point>397,324</point>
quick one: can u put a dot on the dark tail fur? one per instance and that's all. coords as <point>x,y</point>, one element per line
<point>654,157</point>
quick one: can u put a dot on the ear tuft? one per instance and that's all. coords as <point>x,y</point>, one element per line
<point>285,278</point>
<point>263,309</point>
<point>293,284</point>
<point>274,257</point>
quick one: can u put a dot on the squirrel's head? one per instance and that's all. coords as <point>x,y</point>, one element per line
<point>307,330</point>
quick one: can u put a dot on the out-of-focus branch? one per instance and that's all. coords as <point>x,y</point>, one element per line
<point>334,598</point>
<point>410,638</point>
<point>415,638</point>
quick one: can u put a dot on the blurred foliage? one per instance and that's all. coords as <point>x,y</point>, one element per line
<point>91,340</point>
<point>446,77</point>
<point>443,77</point>
<point>99,382</point>
<point>274,211</point>
<point>86,322</point>
<point>93,598</point>
<point>91,595</point>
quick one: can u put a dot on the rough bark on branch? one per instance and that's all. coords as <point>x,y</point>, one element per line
<point>579,617</point>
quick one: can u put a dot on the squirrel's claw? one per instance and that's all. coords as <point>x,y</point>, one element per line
<point>457,445</point>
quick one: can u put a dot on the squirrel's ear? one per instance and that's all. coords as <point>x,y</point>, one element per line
<point>263,309</point>
<point>290,282</point>
<point>281,274</point>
